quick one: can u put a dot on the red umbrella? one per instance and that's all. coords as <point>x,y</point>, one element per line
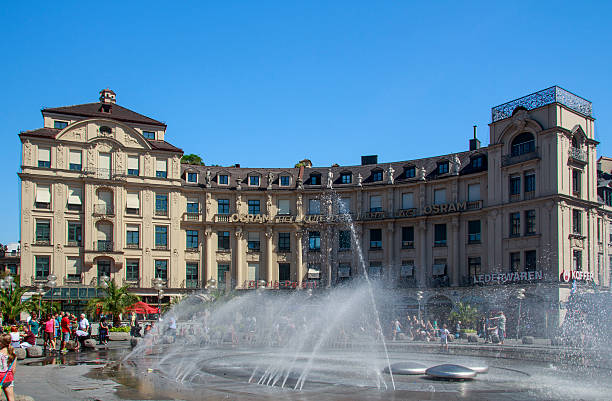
<point>143,308</point>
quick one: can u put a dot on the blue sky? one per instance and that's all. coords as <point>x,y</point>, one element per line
<point>270,83</point>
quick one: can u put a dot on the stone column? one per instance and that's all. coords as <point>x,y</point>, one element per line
<point>299,268</point>
<point>269,269</point>
<point>238,263</point>
<point>456,263</point>
<point>422,255</point>
<point>209,270</point>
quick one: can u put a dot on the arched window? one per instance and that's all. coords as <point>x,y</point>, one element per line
<point>575,143</point>
<point>523,143</point>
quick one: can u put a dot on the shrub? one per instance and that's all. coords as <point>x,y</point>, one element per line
<point>122,329</point>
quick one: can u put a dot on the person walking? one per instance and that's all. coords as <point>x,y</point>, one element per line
<point>444,333</point>
<point>49,332</point>
<point>103,332</point>
<point>34,325</point>
<point>8,360</point>
<point>65,328</point>
<point>397,328</point>
<point>501,326</point>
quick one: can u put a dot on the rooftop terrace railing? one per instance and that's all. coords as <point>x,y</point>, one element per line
<point>554,94</point>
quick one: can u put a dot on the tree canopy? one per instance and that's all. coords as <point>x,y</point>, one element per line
<point>192,159</point>
<point>116,301</point>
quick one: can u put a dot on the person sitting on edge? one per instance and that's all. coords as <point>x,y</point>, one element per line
<point>15,337</point>
<point>28,338</point>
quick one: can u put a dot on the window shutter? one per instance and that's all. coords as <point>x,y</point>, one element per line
<point>161,165</point>
<point>74,196</point>
<point>283,206</point>
<point>474,192</point>
<point>75,157</point>
<point>375,202</point>
<point>104,161</point>
<point>408,200</point>
<point>132,162</point>
<point>133,202</point>
<point>253,235</point>
<point>73,266</point>
<point>44,154</point>
<point>43,194</point>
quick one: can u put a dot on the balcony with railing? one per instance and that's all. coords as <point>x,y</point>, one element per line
<point>104,210</point>
<point>577,154</point>
<point>103,246</point>
<point>192,217</point>
<point>161,212</point>
<point>192,283</point>
<point>373,215</point>
<point>508,160</point>
<point>541,98</point>
<point>222,218</point>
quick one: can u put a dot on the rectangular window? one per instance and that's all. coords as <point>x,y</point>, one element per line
<point>410,172</point>
<point>191,275</point>
<point>407,269</point>
<point>222,179</point>
<point>530,260</point>
<point>133,203</point>
<point>60,124</point>
<point>148,134</point>
<point>132,270</point>
<point>407,200</point>
<point>43,197</point>
<point>223,206</point>
<point>344,240</point>
<point>193,206</point>
<point>315,179</point>
<point>530,182</point>
<point>577,260</point>
<point>73,269</point>
<point>344,205</point>
<point>161,237</point>
<point>576,221</point>
<point>440,235</point>
<point>377,176</point>
<point>440,196</point>
<point>375,270</point>
<point>74,233</point>
<point>375,238</point>
<point>192,239</point>
<point>474,232</point>
<point>222,269</point>
<point>161,269</point>
<point>253,272</point>
<point>161,204</point>
<point>376,203</point>
<point>346,178</point>
<point>515,261</point>
<point>314,240</point>
<point>192,177</point>
<point>283,206</point>
<point>161,168</point>
<point>477,162</point>
<point>576,181</point>
<point>515,186</point>
<point>530,222</point>
<point>43,231</point>
<point>254,180</point>
<point>344,271</point>
<point>515,224</point>
<point>104,166</point>
<point>223,240</point>
<point>473,192</point>
<point>254,207</point>
<point>314,206</point>
<point>284,272</point>
<point>132,237</point>
<point>133,165</point>
<point>75,195</point>
<point>75,160</point>
<point>314,271</point>
<point>474,266</point>
<point>284,242</point>
<point>253,241</point>
<point>42,267</point>
<point>439,267</point>
<point>407,237</point>
<point>284,180</point>
<point>443,168</point>
<point>44,157</point>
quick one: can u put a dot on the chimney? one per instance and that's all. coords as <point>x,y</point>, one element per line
<point>474,143</point>
<point>108,96</point>
<point>372,159</point>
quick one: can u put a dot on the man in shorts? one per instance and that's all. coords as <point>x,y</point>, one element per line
<point>501,326</point>
<point>444,333</point>
<point>65,327</point>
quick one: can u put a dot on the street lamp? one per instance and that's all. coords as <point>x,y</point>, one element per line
<point>520,295</point>
<point>104,280</point>
<point>211,284</point>
<point>158,284</point>
<point>51,283</point>
<point>419,296</point>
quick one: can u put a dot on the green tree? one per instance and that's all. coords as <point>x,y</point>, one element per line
<point>115,302</point>
<point>11,305</point>
<point>192,159</point>
<point>466,313</point>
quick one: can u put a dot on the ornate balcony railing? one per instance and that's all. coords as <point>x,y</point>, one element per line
<point>578,154</point>
<point>190,283</point>
<point>103,246</point>
<point>541,98</point>
<point>222,218</point>
<point>373,215</point>
<point>509,160</point>
<point>192,216</point>
<point>104,210</point>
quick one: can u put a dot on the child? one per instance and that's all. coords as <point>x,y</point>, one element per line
<point>444,333</point>
<point>7,366</point>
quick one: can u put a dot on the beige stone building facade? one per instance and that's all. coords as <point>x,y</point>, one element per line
<point>104,193</point>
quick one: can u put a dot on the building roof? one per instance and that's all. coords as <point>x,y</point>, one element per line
<point>116,112</point>
<point>163,145</point>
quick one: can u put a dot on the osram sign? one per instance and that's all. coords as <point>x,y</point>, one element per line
<point>569,275</point>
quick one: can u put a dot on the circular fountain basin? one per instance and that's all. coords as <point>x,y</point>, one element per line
<point>451,372</point>
<point>477,367</point>
<point>406,368</point>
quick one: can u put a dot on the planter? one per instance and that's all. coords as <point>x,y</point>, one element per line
<point>118,336</point>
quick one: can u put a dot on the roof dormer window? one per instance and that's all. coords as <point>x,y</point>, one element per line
<point>477,162</point>
<point>443,167</point>
<point>284,180</point>
<point>148,134</point>
<point>192,177</point>
<point>410,172</point>
<point>346,178</point>
<point>60,124</point>
<point>253,180</point>
<point>315,179</point>
<point>223,179</point>
<point>377,175</point>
